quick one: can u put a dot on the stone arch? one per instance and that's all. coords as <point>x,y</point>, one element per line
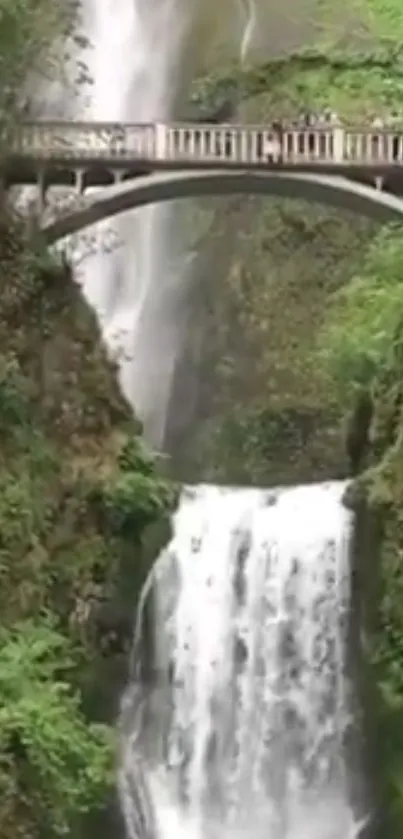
<point>336,191</point>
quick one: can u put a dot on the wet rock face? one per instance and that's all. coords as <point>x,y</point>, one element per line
<point>358,432</point>
<point>113,628</point>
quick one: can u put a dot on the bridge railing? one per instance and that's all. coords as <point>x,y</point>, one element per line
<point>197,144</point>
<point>374,147</point>
<point>75,139</point>
<point>249,145</point>
<point>242,144</point>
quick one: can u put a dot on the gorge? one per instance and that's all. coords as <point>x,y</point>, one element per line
<point>213,596</point>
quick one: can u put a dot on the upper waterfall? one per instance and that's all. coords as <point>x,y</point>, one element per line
<point>143,55</point>
<point>136,288</point>
<point>243,730</point>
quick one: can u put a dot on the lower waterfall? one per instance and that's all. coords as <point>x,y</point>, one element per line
<point>240,728</point>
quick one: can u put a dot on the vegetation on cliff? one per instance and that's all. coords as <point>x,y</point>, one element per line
<point>361,345</point>
<point>77,490</point>
<point>36,39</point>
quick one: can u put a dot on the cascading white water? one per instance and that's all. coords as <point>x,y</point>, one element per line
<point>243,730</point>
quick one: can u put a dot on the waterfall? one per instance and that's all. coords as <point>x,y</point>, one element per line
<point>136,288</point>
<point>134,270</point>
<point>241,729</point>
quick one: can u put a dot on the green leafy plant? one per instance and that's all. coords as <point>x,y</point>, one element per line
<point>362,334</point>
<point>14,410</point>
<point>54,765</point>
<point>137,456</point>
<point>134,497</point>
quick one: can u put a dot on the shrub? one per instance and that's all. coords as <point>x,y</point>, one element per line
<point>54,766</point>
<point>360,340</point>
<point>133,497</point>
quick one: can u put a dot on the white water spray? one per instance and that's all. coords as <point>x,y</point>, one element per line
<point>243,730</point>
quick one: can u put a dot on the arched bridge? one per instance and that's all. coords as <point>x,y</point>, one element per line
<point>327,189</point>
<point>359,168</point>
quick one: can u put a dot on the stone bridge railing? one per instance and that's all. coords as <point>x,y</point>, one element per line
<point>196,144</point>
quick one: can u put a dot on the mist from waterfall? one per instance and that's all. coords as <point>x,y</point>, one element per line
<point>241,729</point>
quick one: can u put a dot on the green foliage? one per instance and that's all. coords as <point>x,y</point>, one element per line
<point>361,336</point>
<point>356,85</point>
<point>134,501</point>
<point>134,498</point>
<point>28,33</point>
<point>209,92</point>
<point>136,456</point>
<point>65,429</point>
<point>357,77</point>
<point>13,407</point>
<point>50,757</point>
<point>360,346</point>
<point>384,667</point>
<point>385,18</point>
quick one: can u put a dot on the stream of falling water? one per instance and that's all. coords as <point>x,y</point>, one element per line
<point>134,61</point>
<point>243,731</point>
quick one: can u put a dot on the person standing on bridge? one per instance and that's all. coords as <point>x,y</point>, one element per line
<point>272,146</point>
<point>377,140</point>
